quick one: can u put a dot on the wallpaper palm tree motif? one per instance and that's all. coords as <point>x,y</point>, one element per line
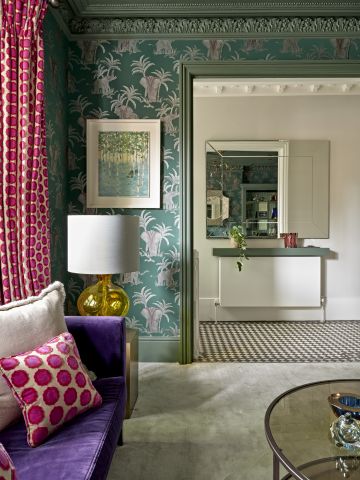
<point>131,78</point>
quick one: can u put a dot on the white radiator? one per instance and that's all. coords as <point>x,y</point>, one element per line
<point>270,282</point>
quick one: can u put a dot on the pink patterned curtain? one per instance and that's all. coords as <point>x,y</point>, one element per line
<point>24,208</point>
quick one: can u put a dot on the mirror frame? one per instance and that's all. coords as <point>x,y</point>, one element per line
<point>282,148</point>
<point>224,69</point>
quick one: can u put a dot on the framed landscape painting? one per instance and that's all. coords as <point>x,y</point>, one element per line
<point>123,163</point>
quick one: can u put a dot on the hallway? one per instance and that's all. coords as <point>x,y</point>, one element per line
<point>279,342</point>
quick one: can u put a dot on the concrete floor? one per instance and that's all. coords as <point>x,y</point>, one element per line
<point>206,421</point>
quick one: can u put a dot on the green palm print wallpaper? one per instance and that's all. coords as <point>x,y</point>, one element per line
<point>128,79</point>
<point>56,110</point>
<point>140,79</point>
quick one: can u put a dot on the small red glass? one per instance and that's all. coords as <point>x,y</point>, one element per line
<point>289,240</point>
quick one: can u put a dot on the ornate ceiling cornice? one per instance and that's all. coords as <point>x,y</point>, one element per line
<point>218,27</point>
<point>187,18</point>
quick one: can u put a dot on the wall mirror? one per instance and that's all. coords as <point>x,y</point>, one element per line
<point>268,187</point>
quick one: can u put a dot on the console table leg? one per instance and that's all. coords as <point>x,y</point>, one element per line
<point>276,468</point>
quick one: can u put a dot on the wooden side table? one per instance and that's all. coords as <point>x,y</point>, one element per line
<point>132,369</point>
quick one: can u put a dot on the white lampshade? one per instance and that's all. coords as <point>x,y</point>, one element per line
<point>103,244</point>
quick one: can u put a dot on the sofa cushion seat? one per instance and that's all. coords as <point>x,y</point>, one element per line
<point>82,449</point>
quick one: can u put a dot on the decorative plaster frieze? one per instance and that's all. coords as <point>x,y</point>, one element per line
<point>218,27</point>
<point>270,87</point>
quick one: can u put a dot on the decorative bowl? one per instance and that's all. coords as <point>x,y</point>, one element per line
<point>342,403</point>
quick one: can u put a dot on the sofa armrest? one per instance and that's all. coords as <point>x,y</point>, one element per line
<point>101,342</point>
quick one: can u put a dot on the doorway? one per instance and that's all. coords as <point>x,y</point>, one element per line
<point>189,72</point>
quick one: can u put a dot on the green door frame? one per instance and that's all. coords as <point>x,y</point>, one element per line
<point>247,69</point>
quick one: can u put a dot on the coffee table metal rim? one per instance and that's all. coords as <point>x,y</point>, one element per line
<point>277,451</point>
<point>316,462</point>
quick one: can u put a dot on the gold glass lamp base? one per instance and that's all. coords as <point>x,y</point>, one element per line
<point>103,298</point>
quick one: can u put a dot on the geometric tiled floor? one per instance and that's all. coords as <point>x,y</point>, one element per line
<point>269,342</point>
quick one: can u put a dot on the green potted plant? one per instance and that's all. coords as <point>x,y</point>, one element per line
<point>237,240</point>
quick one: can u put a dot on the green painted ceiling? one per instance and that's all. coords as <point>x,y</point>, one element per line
<point>209,8</point>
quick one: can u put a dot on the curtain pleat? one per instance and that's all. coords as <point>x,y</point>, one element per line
<point>24,204</point>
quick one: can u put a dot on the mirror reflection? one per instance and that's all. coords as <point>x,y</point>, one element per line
<point>217,207</point>
<point>247,176</point>
<point>251,183</point>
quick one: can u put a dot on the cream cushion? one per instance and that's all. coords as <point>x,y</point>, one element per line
<point>24,325</point>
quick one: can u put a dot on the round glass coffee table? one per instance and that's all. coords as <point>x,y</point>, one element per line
<point>297,427</point>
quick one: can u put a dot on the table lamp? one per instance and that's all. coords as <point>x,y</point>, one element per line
<point>103,245</point>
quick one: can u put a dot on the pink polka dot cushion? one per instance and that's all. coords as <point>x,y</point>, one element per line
<point>7,469</point>
<point>50,385</point>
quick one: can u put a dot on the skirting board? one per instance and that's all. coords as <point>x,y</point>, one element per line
<point>248,314</point>
<point>159,350</point>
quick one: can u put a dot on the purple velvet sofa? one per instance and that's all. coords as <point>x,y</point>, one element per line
<point>82,448</point>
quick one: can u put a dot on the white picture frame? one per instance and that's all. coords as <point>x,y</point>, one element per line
<point>123,163</point>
